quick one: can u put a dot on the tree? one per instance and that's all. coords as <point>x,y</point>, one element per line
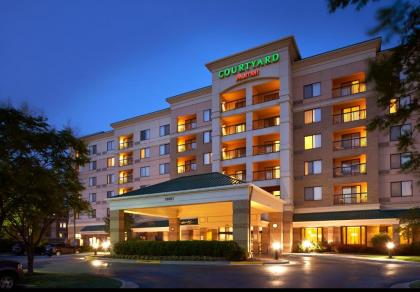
<point>395,74</point>
<point>39,175</point>
<point>410,223</point>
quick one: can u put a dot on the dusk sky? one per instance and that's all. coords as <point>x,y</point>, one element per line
<point>89,63</point>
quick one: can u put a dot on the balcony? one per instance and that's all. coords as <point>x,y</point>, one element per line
<point>233,129</point>
<point>267,174</point>
<point>125,161</point>
<point>125,179</point>
<point>266,123</point>
<point>350,199</point>
<point>241,175</point>
<point>234,153</point>
<point>266,148</point>
<point>265,97</point>
<point>349,116</point>
<point>350,170</point>
<point>187,126</point>
<point>125,145</point>
<point>232,105</point>
<point>186,147</point>
<point>349,88</point>
<point>187,167</point>
<point>352,143</point>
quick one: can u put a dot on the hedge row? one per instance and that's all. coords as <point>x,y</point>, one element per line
<point>167,258</point>
<point>228,250</point>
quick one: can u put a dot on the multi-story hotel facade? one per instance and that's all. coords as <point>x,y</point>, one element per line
<point>275,149</point>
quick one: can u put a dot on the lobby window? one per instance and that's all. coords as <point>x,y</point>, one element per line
<point>402,189</point>
<point>163,168</point>
<point>92,149</point>
<point>92,197</point>
<point>164,130</point>
<point>164,149</point>
<point>207,158</point>
<point>63,225</point>
<point>206,137</point>
<point>110,145</point>
<point>312,141</point>
<point>313,116</point>
<point>110,194</point>
<point>145,152</point>
<point>145,171</point>
<point>92,181</point>
<point>92,165</point>
<point>399,159</point>
<point>352,235</point>
<point>110,178</point>
<point>207,115</point>
<point>110,162</point>
<point>397,131</point>
<point>313,234</point>
<point>225,233</point>
<point>313,193</point>
<point>313,167</point>
<point>312,90</point>
<point>145,135</point>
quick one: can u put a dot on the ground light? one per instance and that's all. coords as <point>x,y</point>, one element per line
<point>276,247</point>
<point>390,246</point>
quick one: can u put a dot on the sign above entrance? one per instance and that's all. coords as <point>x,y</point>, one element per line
<point>247,66</point>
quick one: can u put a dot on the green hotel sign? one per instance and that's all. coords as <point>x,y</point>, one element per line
<point>250,65</point>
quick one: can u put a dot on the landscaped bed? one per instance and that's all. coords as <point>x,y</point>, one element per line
<point>179,250</point>
<point>415,284</point>
<point>64,280</point>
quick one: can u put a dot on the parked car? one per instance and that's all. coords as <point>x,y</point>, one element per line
<point>19,249</point>
<point>11,272</point>
<point>58,248</point>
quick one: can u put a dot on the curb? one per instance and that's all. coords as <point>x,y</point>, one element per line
<point>127,284</point>
<point>357,258</point>
<point>403,285</point>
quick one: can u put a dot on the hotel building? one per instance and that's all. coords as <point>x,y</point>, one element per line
<point>275,149</point>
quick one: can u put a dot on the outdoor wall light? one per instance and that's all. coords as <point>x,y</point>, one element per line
<point>172,229</point>
<point>275,225</point>
<point>390,246</point>
<point>276,246</point>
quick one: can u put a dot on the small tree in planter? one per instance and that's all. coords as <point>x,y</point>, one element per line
<point>379,242</point>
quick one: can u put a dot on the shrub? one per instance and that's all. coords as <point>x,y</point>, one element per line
<point>409,249</point>
<point>355,248</point>
<point>379,241</point>
<point>228,250</point>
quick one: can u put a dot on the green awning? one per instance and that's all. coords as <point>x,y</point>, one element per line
<point>93,228</point>
<point>347,215</point>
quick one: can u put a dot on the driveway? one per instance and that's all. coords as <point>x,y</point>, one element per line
<point>302,272</point>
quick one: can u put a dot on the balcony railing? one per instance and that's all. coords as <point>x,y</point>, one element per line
<point>267,96</point>
<point>187,168</point>
<point>125,145</point>
<point>349,117</point>
<point>349,89</point>
<point>126,161</point>
<point>234,104</point>
<point>350,143</point>
<point>186,147</point>
<point>272,173</point>
<point>353,198</point>
<point>187,126</point>
<point>234,153</point>
<point>265,123</point>
<point>233,129</point>
<point>125,179</point>
<point>266,148</point>
<point>241,175</point>
<point>350,170</point>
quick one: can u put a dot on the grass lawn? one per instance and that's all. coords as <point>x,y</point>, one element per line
<point>61,280</point>
<point>415,284</point>
<point>403,258</point>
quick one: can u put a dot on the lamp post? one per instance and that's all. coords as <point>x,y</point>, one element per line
<point>390,246</point>
<point>95,246</point>
<point>105,245</point>
<point>276,247</point>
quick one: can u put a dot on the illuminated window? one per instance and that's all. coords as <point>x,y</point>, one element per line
<point>313,141</point>
<point>353,235</point>
<point>110,162</point>
<point>145,152</point>
<point>240,128</point>
<point>313,234</point>
<point>351,114</point>
<point>313,116</point>
<point>402,102</point>
<point>393,106</point>
<point>226,233</point>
